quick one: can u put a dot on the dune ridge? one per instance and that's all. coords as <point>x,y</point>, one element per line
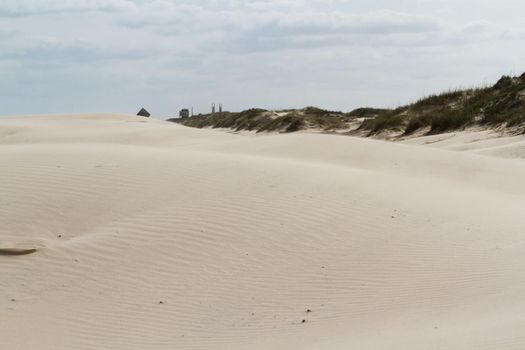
<point>152,235</point>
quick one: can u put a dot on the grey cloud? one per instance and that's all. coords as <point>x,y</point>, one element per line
<point>59,53</point>
<point>275,29</point>
<point>18,8</point>
<point>513,34</point>
<point>195,18</point>
<point>8,34</point>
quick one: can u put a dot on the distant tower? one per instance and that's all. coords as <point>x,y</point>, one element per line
<point>213,108</point>
<point>220,107</point>
<point>192,111</point>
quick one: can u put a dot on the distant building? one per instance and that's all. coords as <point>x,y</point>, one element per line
<point>144,113</point>
<point>184,113</point>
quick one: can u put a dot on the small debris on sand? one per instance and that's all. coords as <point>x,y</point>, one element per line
<point>16,251</point>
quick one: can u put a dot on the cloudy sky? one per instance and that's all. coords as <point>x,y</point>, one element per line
<point>60,56</point>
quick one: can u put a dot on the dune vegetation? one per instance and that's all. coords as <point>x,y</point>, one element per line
<point>261,120</point>
<point>500,105</point>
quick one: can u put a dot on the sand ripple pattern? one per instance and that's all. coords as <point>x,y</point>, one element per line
<point>155,236</point>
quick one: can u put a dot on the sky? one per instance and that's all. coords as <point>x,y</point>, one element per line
<point>77,56</point>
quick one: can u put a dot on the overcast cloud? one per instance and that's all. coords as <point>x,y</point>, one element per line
<point>59,56</point>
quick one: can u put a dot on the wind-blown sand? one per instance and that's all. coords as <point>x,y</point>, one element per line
<point>151,235</point>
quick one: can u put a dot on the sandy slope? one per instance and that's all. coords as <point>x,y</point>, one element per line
<point>479,141</point>
<point>156,236</point>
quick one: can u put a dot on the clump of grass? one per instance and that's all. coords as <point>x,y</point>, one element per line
<point>381,123</point>
<point>314,111</point>
<point>451,120</point>
<point>287,123</point>
<point>506,105</point>
<point>391,120</point>
<point>367,112</point>
<point>504,82</point>
<point>416,123</point>
<point>442,99</point>
<point>333,122</point>
<point>325,120</point>
<point>445,118</point>
<point>295,125</point>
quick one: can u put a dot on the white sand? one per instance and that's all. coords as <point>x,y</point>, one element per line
<point>485,142</point>
<point>391,246</point>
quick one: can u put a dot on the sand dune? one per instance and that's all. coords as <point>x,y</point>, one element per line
<point>151,235</point>
<point>481,141</point>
